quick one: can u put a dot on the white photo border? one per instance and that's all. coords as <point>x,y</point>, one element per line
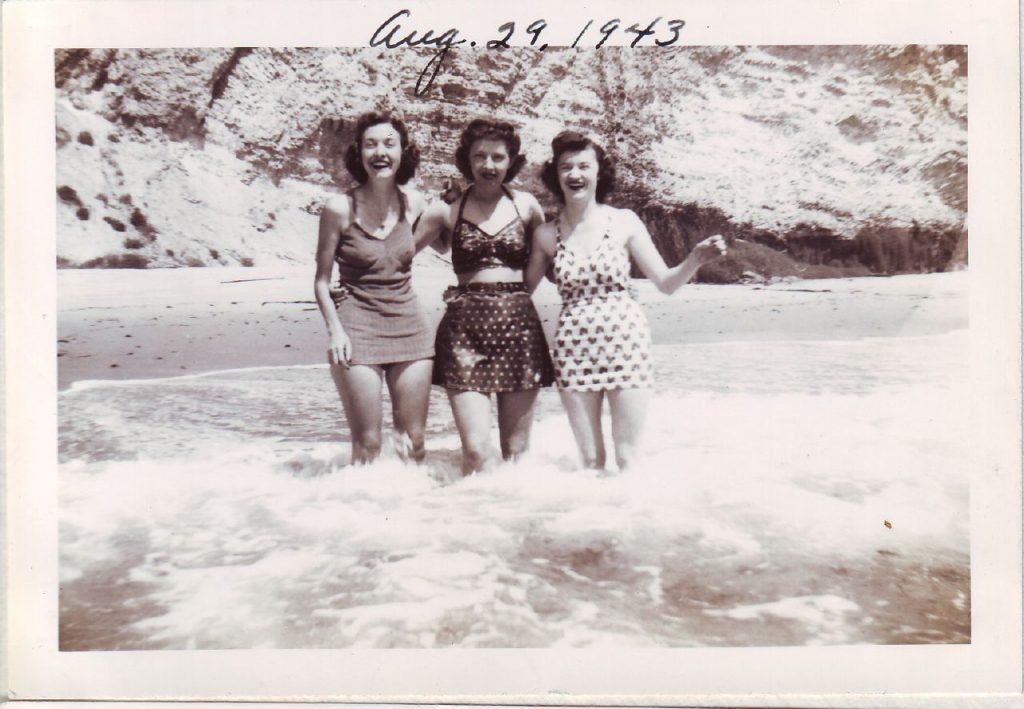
<point>990,666</point>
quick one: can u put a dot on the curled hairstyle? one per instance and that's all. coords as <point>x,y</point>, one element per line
<point>569,141</point>
<point>486,129</point>
<point>410,153</point>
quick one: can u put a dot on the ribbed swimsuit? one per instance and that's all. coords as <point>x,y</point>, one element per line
<point>490,338</point>
<point>380,312</point>
<point>603,339</point>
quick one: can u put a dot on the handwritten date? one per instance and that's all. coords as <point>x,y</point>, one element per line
<point>392,35</point>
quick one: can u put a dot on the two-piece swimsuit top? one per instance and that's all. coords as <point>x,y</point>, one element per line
<point>474,249</point>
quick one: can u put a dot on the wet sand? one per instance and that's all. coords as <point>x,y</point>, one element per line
<point>126,324</point>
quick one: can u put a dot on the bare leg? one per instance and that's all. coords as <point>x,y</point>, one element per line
<point>515,416</point>
<point>629,409</point>
<point>584,409</point>
<point>409,385</point>
<point>359,387</point>
<point>472,412</point>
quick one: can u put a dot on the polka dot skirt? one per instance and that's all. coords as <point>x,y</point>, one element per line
<point>491,340</point>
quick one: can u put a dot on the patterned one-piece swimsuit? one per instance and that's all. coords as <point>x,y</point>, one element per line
<point>603,340</point>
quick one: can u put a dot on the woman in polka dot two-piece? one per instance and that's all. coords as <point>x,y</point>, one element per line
<point>490,339</point>
<point>602,343</point>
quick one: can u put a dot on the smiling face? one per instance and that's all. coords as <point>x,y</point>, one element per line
<point>381,151</point>
<point>489,160</point>
<point>577,174</point>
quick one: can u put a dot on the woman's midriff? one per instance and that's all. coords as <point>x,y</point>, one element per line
<point>497,274</point>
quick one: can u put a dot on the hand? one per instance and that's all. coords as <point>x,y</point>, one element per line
<point>340,350</point>
<point>339,294</point>
<point>450,191</point>
<point>710,249</point>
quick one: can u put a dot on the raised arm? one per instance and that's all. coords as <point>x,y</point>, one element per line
<point>651,264</point>
<point>542,253</point>
<point>432,227</point>
<point>332,219</point>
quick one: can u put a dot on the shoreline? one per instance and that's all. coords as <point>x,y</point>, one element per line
<point>198,320</point>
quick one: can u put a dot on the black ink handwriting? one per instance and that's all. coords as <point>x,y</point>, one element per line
<point>386,35</point>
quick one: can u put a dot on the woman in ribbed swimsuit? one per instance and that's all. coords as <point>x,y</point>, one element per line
<point>602,343</point>
<point>490,339</point>
<point>378,334</point>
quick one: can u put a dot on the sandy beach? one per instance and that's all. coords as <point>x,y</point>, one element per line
<point>138,324</point>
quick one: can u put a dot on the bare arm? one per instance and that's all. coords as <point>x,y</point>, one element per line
<point>542,254</point>
<point>415,204</point>
<point>432,228</point>
<point>534,212</point>
<point>667,280</point>
<point>332,219</point>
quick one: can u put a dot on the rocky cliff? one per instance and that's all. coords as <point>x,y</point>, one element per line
<point>836,157</point>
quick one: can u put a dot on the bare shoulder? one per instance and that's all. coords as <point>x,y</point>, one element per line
<point>626,223</point>
<point>337,206</point>
<point>623,216</point>
<point>526,202</point>
<point>545,237</point>
<point>415,200</point>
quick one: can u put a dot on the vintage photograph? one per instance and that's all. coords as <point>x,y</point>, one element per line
<point>525,347</point>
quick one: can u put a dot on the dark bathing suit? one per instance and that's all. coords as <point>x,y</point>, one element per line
<point>491,339</point>
<point>380,312</point>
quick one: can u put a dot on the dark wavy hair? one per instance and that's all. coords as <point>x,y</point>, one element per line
<point>569,141</point>
<point>410,153</point>
<point>486,129</point>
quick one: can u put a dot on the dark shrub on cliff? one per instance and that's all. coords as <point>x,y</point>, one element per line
<point>118,261</point>
<point>748,261</point>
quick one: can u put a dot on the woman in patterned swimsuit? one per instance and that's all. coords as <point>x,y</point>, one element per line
<point>490,339</point>
<point>602,344</point>
<point>377,332</point>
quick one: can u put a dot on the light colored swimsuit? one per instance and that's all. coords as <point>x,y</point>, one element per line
<point>603,339</point>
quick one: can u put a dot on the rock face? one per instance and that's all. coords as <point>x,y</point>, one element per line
<point>835,155</point>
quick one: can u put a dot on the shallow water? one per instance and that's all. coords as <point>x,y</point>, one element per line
<point>216,511</point>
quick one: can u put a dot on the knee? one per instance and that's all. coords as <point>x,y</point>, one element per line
<point>474,458</point>
<point>410,445</point>
<point>366,447</point>
<point>415,432</point>
<point>624,459</point>
<point>417,441</point>
<point>593,458</point>
<point>515,446</point>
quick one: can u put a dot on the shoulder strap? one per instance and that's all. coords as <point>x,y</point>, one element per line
<point>351,194</point>
<point>352,220</point>
<point>508,193</point>
<point>403,205</point>
<point>462,206</point>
